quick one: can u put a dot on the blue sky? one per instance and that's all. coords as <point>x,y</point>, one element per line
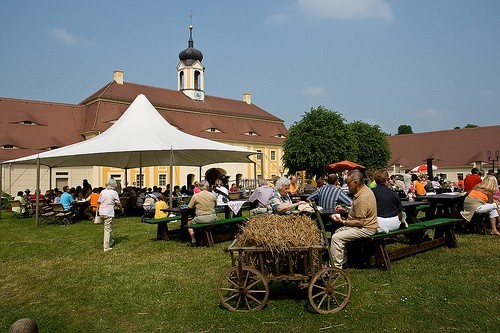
<point>431,64</point>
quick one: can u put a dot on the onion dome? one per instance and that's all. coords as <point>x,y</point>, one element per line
<point>190,55</point>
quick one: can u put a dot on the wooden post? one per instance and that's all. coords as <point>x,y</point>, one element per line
<point>429,169</point>
<point>37,191</point>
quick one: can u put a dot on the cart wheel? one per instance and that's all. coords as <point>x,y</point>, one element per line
<point>329,290</point>
<point>245,291</point>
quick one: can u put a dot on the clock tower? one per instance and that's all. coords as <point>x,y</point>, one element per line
<point>190,71</point>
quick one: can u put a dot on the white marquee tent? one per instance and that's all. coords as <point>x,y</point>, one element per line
<point>140,137</point>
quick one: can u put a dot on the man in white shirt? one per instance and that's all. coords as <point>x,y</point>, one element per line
<point>261,196</point>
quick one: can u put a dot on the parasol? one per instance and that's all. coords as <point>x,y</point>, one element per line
<point>423,168</point>
<point>344,165</point>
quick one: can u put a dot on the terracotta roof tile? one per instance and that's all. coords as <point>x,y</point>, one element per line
<point>449,148</point>
<point>55,124</point>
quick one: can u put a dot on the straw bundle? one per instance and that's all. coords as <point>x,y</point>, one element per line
<point>279,233</point>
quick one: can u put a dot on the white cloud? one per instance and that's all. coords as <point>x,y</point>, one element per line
<point>65,37</point>
<point>313,91</point>
<point>278,18</point>
<point>347,9</point>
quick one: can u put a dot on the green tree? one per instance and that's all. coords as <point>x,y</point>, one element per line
<point>470,126</point>
<point>405,129</point>
<point>321,137</point>
<point>373,148</point>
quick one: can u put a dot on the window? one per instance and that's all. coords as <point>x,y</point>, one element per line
<point>162,179</point>
<point>273,155</point>
<point>213,130</point>
<point>181,80</point>
<point>53,147</point>
<point>8,146</point>
<point>139,180</point>
<point>279,136</point>
<point>197,83</point>
<point>259,157</point>
<point>251,133</point>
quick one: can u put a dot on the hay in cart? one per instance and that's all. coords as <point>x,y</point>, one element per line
<point>282,248</point>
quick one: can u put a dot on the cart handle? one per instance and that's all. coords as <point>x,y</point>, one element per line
<point>323,230</point>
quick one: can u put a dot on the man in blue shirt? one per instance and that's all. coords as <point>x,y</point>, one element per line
<point>329,195</point>
<point>66,198</point>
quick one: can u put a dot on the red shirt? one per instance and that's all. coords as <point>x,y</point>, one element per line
<point>471,181</point>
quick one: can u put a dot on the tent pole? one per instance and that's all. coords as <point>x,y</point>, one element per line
<point>126,177</point>
<point>171,176</point>
<point>50,178</point>
<point>200,174</point>
<point>141,185</point>
<point>1,189</point>
<point>37,191</point>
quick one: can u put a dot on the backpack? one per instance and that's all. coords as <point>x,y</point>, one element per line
<point>150,201</point>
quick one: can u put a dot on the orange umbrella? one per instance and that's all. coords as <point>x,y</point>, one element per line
<point>344,165</point>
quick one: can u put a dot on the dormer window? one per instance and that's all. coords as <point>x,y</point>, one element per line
<point>27,122</point>
<point>53,147</point>
<point>281,136</point>
<point>8,147</point>
<point>251,133</point>
<point>213,130</point>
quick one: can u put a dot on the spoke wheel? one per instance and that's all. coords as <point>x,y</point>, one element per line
<point>247,290</point>
<point>329,290</point>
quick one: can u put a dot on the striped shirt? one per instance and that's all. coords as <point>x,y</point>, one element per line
<point>328,197</point>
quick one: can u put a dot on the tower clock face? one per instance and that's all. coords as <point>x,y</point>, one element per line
<point>197,95</point>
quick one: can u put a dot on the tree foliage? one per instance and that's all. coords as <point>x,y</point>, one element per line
<point>405,129</point>
<point>470,126</point>
<point>373,148</point>
<point>321,137</point>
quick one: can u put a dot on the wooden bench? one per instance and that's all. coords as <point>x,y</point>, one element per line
<point>444,234</point>
<point>162,223</point>
<point>204,232</point>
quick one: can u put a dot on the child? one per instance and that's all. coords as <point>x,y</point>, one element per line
<point>159,205</point>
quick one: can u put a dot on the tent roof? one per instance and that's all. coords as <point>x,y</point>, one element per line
<point>141,137</point>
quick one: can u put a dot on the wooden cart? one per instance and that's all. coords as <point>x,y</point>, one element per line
<point>245,285</point>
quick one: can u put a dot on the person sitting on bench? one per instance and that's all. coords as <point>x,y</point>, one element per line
<point>261,196</point>
<point>204,203</point>
<point>480,201</point>
<point>160,205</point>
<point>389,208</point>
<point>361,220</point>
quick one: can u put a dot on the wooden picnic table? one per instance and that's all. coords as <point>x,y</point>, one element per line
<point>448,204</point>
<point>185,213</point>
<point>411,209</point>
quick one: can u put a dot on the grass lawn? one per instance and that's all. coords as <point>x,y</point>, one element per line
<point>61,278</point>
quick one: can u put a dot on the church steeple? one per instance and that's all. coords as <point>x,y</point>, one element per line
<point>190,71</point>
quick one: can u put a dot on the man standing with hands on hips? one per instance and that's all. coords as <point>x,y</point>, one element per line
<point>361,220</point>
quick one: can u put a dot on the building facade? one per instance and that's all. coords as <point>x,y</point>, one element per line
<point>30,127</point>
<point>455,152</point>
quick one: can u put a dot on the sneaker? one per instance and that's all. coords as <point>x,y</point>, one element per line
<point>192,244</point>
<point>107,250</point>
<point>111,243</point>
